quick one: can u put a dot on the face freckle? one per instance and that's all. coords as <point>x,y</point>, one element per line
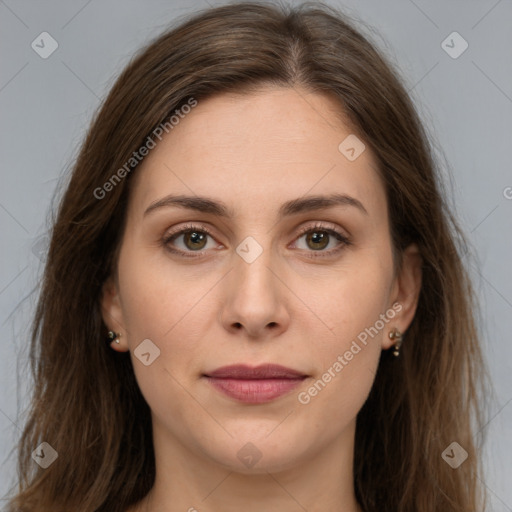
<point>255,295</point>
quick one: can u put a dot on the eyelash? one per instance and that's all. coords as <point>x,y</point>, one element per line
<point>345,242</point>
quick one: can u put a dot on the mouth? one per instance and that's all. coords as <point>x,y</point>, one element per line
<point>255,385</point>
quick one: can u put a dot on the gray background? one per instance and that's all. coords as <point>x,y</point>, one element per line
<point>466,102</point>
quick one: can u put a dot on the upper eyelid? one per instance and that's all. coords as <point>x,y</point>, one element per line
<point>203,227</point>
<point>328,226</point>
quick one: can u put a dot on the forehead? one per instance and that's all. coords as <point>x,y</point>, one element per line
<point>246,148</point>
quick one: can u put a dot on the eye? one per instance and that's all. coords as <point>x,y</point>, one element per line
<point>319,236</point>
<point>194,240</point>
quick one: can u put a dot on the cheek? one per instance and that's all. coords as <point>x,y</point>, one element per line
<point>353,301</point>
<point>156,294</point>
<point>356,311</point>
<point>160,305</point>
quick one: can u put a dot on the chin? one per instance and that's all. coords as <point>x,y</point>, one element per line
<point>259,453</point>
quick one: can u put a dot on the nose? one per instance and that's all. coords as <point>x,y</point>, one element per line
<point>255,299</point>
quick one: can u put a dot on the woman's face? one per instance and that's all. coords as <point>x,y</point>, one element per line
<point>266,275</point>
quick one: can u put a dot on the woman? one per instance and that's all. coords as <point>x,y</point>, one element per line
<point>254,297</point>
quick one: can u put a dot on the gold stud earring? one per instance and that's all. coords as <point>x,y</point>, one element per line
<point>397,336</point>
<point>114,336</point>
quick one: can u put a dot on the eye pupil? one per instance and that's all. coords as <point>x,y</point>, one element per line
<point>318,238</point>
<point>195,238</point>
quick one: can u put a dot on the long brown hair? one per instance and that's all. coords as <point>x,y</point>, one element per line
<point>86,403</point>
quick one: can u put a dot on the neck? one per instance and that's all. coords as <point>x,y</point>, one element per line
<point>188,481</point>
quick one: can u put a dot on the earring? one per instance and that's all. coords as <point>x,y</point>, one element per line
<point>113,336</point>
<point>397,336</point>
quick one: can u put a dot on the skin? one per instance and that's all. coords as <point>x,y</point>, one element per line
<point>253,153</point>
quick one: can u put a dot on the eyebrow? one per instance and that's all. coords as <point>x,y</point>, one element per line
<point>293,207</point>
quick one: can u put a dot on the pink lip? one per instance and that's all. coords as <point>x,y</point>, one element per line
<point>255,385</point>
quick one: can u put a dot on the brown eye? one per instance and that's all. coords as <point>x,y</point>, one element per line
<point>321,241</point>
<point>188,241</point>
<point>194,240</point>
<point>317,240</point>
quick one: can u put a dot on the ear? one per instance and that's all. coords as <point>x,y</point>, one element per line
<point>112,313</point>
<point>405,291</point>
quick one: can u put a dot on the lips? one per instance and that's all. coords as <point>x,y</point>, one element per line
<point>255,385</point>
<point>264,371</point>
